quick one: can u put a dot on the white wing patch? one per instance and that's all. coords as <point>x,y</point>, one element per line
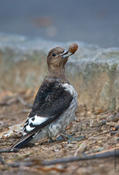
<point>37,120</point>
<point>34,121</point>
<point>29,128</point>
<point>69,88</point>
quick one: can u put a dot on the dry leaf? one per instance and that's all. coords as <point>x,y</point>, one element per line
<point>81,149</point>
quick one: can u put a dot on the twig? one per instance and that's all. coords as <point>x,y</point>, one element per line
<point>87,157</point>
<point>15,99</point>
<point>106,154</point>
<point>19,164</point>
<point>8,150</point>
<point>21,100</point>
<point>8,101</point>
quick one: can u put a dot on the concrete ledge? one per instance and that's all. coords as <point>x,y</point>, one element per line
<point>94,71</point>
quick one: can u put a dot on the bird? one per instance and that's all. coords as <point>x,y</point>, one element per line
<point>55,103</point>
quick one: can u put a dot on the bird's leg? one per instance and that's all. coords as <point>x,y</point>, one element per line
<point>69,138</point>
<point>50,140</point>
<point>62,137</point>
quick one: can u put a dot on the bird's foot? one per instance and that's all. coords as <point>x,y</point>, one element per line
<point>75,139</point>
<point>60,138</point>
<point>69,138</point>
<point>66,137</point>
<point>63,137</point>
<point>50,140</point>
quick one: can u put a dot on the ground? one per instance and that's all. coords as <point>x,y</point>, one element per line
<point>91,132</point>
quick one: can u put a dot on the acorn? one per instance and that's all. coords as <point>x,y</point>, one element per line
<point>73,48</point>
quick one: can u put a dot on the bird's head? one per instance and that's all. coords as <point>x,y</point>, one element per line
<point>57,59</point>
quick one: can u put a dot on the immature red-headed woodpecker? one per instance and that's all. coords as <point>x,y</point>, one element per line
<point>55,103</point>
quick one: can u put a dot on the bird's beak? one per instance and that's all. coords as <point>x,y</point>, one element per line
<point>66,54</point>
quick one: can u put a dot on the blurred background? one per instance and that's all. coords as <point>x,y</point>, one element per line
<point>90,21</point>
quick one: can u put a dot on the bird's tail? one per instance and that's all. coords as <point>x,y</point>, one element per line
<point>23,142</point>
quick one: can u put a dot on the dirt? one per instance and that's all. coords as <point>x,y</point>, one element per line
<point>91,132</point>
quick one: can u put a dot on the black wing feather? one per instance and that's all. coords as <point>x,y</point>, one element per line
<point>51,100</point>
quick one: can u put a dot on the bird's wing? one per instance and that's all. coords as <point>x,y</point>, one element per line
<point>51,101</point>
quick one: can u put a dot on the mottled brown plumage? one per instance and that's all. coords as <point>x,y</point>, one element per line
<point>56,63</point>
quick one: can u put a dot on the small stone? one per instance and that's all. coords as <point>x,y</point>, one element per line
<point>116,127</point>
<point>113,133</point>
<point>114,118</point>
<point>102,122</point>
<point>117,139</point>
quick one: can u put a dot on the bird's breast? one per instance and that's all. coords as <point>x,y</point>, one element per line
<point>67,116</point>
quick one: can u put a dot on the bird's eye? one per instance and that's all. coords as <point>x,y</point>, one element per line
<point>54,54</point>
